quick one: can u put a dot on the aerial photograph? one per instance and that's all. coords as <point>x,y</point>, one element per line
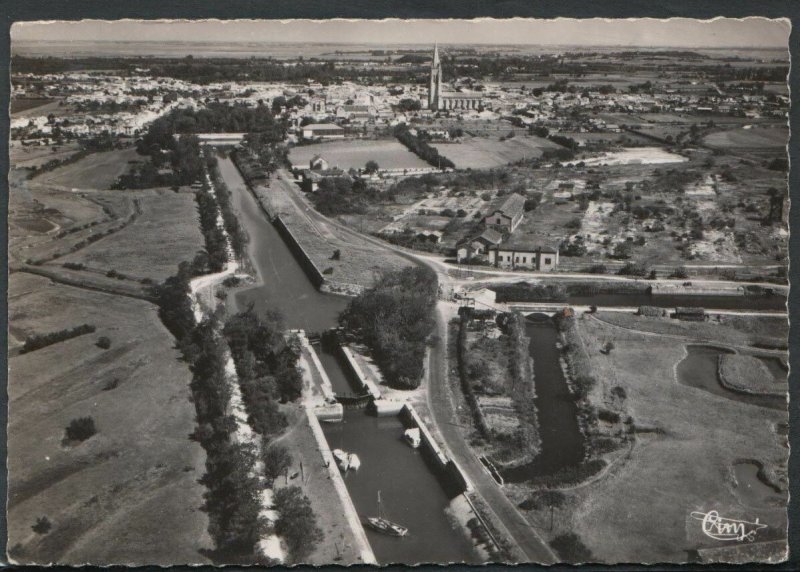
<point>336,292</point>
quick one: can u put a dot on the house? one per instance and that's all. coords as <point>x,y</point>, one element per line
<point>506,214</point>
<point>318,163</point>
<point>477,245</point>
<point>323,131</point>
<point>541,258</point>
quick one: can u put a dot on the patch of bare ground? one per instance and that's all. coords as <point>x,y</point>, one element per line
<point>687,442</point>
<point>129,493</point>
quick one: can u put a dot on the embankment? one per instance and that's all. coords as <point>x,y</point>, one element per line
<point>359,536</point>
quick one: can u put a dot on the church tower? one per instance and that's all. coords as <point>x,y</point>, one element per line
<point>435,90</point>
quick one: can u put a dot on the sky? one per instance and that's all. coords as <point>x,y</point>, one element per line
<point>675,32</point>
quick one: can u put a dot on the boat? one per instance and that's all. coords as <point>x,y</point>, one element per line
<point>384,525</point>
<point>413,437</point>
<point>342,459</point>
<point>353,461</point>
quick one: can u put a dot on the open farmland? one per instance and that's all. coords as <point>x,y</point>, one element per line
<point>489,152</point>
<point>755,137</point>
<point>95,171</point>
<point>689,446</point>
<point>389,154</point>
<point>129,494</point>
<point>166,233</point>
<point>30,156</point>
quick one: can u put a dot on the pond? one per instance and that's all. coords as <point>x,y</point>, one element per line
<point>752,490</point>
<point>700,369</point>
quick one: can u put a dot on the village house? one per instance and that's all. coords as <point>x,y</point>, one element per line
<point>318,163</point>
<point>506,213</point>
<point>323,131</point>
<point>479,245</point>
<point>540,258</point>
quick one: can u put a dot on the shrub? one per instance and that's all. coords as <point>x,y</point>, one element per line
<point>231,281</point>
<point>104,342</point>
<point>543,499</point>
<point>633,269</point>
<point>608,416</point>
<point>337,254</point>
<point>570,548</point>
<point>80,429</point>
<point>679,272</point>
<point>74,266</point>
<point>42,526</point>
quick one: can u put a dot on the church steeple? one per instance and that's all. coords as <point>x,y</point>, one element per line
<point>435,89</point>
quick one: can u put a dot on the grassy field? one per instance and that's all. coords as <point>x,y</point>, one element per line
<point>166,233</point>
<point>389,154</point>
<point>96,171</point>
<point>748,374</point>
<point>489,152</point>
<point>687,446</point>
<point>755,137</point>
<point>129,494</point>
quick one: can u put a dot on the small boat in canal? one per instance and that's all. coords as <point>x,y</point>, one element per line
<point>384,525</point>
<point>413,437</point>
<point>342,459</point>
<point>353,461</point>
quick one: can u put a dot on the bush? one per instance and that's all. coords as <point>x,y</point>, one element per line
<point>543,499</point>
<point>80,429</point>
<point>42,526</point>
<point>74,266</point>
<point>679,272</point>
<point>104,342</point>
<point>570,548</point>
<point>633,269</point>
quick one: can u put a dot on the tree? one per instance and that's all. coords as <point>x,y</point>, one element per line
<point>277,461</point>
<point>371,167</point>
<point>80,429</point>
<point>296,522</point>
<point>42,526</point>
<point>104,342</point>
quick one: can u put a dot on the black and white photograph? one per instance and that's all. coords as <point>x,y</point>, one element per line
<point>398,291</point>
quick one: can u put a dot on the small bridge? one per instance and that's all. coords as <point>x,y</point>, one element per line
<point>354,401</point>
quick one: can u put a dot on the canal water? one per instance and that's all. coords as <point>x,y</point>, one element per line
<point>411,491</point>
<point>774,302</point>
<point>700,369</point>
<point>562,441</point>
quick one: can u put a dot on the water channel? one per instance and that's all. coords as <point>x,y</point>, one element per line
<point>562,441</point>
<point>412,493</point>
<point>700,369</point>
<point>773,302</point>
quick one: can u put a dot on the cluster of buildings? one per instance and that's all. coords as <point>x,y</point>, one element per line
<point>496,244</point>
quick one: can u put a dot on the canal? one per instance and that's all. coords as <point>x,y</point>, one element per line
<point>411,491</point>
<point>562,440</point>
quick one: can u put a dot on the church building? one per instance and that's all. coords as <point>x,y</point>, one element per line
<point>438,99</point>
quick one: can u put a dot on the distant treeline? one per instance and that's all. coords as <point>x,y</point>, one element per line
<point>395,318</point>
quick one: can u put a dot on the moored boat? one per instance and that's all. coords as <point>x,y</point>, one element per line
<point>383,524</point>
<point>342,459</point>
<point>413,437</point>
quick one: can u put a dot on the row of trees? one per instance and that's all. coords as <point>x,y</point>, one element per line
<point>395,318</point>
<point>232,499</point>
<point>422,148</point>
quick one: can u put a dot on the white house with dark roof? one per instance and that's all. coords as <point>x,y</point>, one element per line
<point>506,213</point>
<point>524,256</point>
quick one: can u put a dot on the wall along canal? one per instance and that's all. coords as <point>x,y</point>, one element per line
<point>413,495</point>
